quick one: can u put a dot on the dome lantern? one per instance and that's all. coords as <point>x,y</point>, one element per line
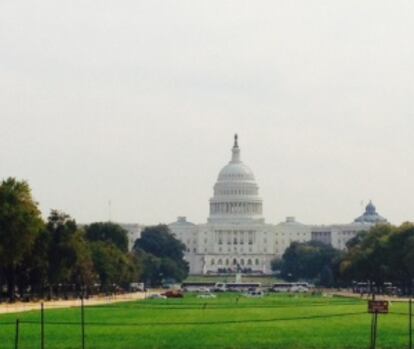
<point>235,150</point>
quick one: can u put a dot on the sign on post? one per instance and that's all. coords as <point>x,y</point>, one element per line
<point>378,307</point>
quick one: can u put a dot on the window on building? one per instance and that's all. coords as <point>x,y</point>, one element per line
<point>212,262</point>
<point>219,262</point>
<point>227,262</point>
<point>257,261</point>
<point>249,262</point>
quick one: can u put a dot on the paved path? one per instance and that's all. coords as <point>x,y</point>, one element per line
<point>20,307</point>
<point>368,296</point>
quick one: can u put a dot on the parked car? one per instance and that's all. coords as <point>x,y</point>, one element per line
<point>255,293</point>
<point>206,295</point>
<point>173,294</point>
<point>299,289</point>
<point>137,287</point>
<point>156,296</point>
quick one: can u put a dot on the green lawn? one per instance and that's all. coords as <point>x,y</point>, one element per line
<point>276,321</point>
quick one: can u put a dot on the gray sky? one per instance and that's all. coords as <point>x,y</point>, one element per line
<point>137,102</point>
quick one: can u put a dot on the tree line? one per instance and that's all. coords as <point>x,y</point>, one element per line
<point>382,255</point>
<point>58,257</point>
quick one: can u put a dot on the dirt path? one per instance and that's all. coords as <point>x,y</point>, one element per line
<point>20,307</point>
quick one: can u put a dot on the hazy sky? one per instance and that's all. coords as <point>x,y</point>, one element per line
<point>137,102</point>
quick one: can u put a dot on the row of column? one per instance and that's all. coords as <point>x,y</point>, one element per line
<point>234,237</point>
<point>236,208</point>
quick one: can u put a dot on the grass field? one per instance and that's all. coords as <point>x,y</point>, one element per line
<point>275,321</point>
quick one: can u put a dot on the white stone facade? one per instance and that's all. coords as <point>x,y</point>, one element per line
<point>236,237</point>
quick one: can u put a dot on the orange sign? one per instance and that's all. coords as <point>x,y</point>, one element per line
<point>378,307</point>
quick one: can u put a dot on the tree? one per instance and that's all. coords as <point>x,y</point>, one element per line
<point>367,258</point>
<point>109,232</point>
<point>311,260</point>
<point>20,224</point>
<point>167,254</point>
<point>68,253</point>
<point>400,256</point>
<point>113,266</point>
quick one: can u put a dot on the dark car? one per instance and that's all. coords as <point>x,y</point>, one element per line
<point>173,294</point>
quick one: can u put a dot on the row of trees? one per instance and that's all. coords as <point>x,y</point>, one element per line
<point>384,254</point>
<point>59,257</point>
<point>381,255</point>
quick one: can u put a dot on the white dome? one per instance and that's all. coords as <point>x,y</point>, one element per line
<point>235,192</point>
<point>236,171</point>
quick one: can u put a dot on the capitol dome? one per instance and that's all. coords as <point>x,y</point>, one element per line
<point>370,216</point>
<point>236,196</point>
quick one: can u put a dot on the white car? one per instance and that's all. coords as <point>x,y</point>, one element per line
<point>207,295</point>
<point>156,296</point>
<point>299,289</point>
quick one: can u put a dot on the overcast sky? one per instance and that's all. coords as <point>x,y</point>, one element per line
<point>137,102</point>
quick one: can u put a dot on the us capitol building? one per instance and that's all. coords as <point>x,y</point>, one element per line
<point>236,236</point>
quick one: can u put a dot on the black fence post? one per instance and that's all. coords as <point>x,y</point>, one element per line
<point>374,322</point>
<point>410,323</point>
<point>83,322</point>
<point>42,326</point>
<point>16,338</point>
<point>374,343</point>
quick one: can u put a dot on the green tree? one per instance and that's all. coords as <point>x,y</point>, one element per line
<point>109,232</point>
<point>151,267</point>
<point>168,252</point>
<point>113,266</point>
<point>311,260</point>
<point>69,256</point>
<point>20,224</point>
<point>368,256</point>
<point>400,256</point>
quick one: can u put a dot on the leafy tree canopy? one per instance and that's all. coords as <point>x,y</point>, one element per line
<point>109,232</point>
<point>20,224</point>
<point>162,254</point>
<point>311,260</point>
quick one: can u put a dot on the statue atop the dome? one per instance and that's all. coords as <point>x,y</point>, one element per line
<point>236,145</point>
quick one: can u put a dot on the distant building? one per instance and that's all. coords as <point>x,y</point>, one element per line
<point>236,237</point>
<point>134,232</point>
<point>338,235</point>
